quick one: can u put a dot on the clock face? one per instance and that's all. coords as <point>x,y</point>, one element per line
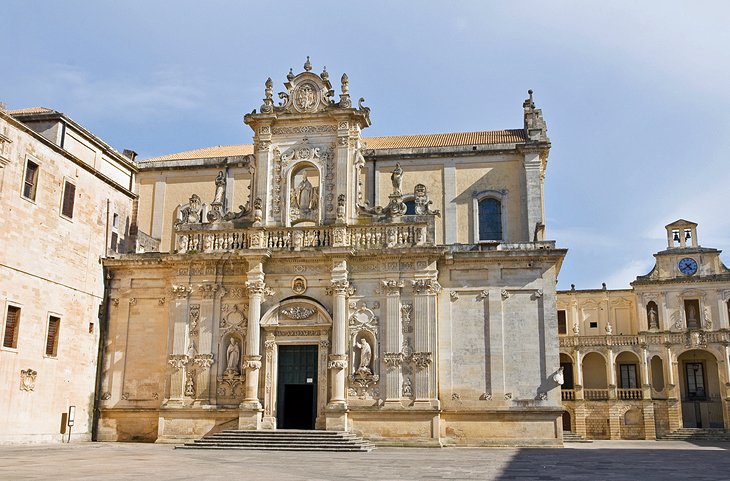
<point>687,266</point>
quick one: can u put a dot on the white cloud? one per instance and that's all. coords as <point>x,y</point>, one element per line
<point>159,94</point>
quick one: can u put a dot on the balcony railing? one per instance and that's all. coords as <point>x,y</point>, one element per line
<point>567,394</point>
<point>595,394</point>
<point>629,394</point>
<point>686,338</point>
<point>370,236</point>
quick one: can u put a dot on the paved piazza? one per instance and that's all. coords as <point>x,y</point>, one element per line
<point>609,460</point>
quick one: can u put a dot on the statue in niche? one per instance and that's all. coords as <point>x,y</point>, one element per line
<point>366,355</point>
<point>233,356</point>
<point>397,178</point>
<point>691,317</point>
<point>192,352</point>
<point>653,318</point>
<point>220,187</point>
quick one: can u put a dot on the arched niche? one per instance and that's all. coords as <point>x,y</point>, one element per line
<point>652,316</point>
<point>594,371</point>
<point>657,374</point>
<point>305,195</point>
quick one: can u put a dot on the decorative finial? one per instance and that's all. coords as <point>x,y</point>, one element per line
<point>268,105</point>
<point>345,101</point>
<point>307,65</point>
<point>345,83</point>
<point>290,75</point>
<point>529,92</point>
<point>324,75</point>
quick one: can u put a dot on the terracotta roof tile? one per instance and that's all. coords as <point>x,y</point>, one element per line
<point>206,153</point>
<point>446,140</point>
<point>394,142</point>
<point>30,110</point>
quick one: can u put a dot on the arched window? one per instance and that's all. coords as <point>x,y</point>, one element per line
<point>490,219</point>
<point>410,207</point>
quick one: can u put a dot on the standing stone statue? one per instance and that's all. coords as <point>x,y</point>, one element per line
<point>220,187</point>
<point>397,178</point>
<point>233,355</point>
<point>366,354</point>
<point>653,320</point>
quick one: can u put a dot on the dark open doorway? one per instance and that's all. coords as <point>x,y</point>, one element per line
<point>296,406</point>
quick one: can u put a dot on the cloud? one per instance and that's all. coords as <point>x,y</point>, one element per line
<point>157,95</point>
<point>621,277</point>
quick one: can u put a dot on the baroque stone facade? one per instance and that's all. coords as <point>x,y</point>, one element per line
<point>397,287</point>
<point>645,362</point>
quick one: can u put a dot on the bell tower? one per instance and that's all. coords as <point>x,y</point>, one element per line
<point>681,234</point>
<point>307,151</point>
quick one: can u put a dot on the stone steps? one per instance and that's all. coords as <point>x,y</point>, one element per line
<point>698,434</point>
<point>571,437</point>
<point>281,440</point>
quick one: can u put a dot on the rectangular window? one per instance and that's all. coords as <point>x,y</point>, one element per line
<point>562,323</point>
<point>30,180</point>
<point>115,221</point>
<point>113,244</point>
<point>695,381</point>
<point>627,376</point>
<point>69,193</point>
<point>54,323</point>
<point>593,325</point>
<point>12,322</point>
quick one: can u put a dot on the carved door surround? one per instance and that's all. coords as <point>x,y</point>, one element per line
<point>295,321</point>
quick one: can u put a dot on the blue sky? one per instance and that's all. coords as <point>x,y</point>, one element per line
<point>635,93</point>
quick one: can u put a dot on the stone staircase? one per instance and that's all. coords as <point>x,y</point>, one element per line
<point>281,440</point>
<point>571,437</point>
<point>698,434</point>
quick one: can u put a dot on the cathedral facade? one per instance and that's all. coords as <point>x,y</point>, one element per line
<point>397,287</point>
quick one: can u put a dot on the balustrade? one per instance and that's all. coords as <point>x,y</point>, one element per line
<point>370,236</point>
<point>595,394</point>
<point>567,394</point>
<point>630,394</point>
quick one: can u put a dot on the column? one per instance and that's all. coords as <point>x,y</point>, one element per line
<point>338,358</point>
<point>250,410</point>
<point>578,375</point>
<point>450,217</point>
<point>611,374</point>
<point>158,209</point>
<point>424,311</point>
<point>393,339</point>
<point>178,359</point>
<point>336,418</point>
<point>533,189</point>
<point>201,322</point>
<point>725,386</point>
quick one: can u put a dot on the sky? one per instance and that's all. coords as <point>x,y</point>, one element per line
<point>635,94</point>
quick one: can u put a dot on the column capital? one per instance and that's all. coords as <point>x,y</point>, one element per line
<point>337,361</point>
<point>391,287</point>
<point>341,287</point>
<point>258,288</point>
<point>178,361</point>
<point>425,286</point>
<point>252,363</point>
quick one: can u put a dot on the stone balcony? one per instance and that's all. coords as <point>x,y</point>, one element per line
<point>413,231</point>
<point>688,338</point>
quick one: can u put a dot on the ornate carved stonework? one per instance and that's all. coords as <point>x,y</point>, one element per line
<point>405,313</point>
<point>426,286</point>
<point>27,379</point>
<point>181,292</point>
<point>340,288</point>
<point>299,285</point>
<point>252,362</point>
<point>204,361</point>
<point>422,359</point>
<point>337,361</point>
<point>393,359</point>
<point>177,361</point>
<point>298,312</point>
<point>391,286</point>
<point>259,288</point>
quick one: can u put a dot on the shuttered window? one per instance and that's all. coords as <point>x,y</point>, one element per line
<point>490,219</point>
<point>12,322</point>
<point>69,193</point>
<point>30,180</point>
<point>54,323</point>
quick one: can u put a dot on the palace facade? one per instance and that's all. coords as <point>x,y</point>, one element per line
<point>644,362</point>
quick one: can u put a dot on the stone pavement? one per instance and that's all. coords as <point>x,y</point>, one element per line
<point>601,460</point>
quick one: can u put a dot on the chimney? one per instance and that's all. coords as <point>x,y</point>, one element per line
<point>130,154</point>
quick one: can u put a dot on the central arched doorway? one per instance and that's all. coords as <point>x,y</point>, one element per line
<point>700,389</point>
<point>297,346</point>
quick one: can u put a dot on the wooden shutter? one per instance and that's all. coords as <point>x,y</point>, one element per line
<point>69,193</point>
<point>52,338</point>
<point>11,327</point>
<point>31,176</point>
